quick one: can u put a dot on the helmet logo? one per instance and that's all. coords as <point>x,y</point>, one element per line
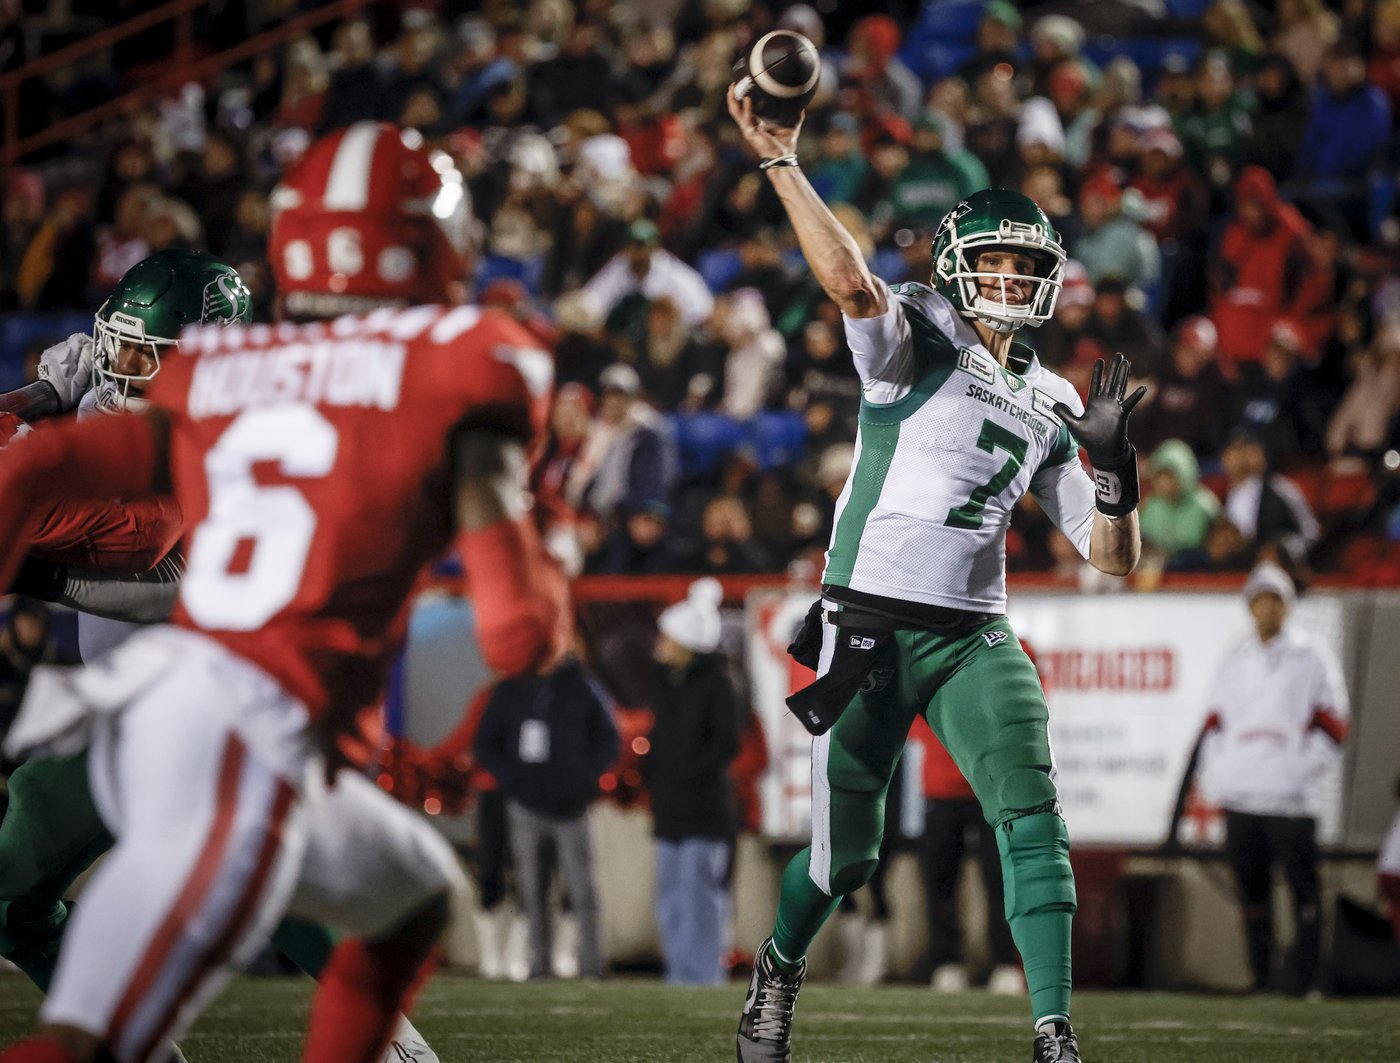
<point>127,323</point>
<point>221,299</point>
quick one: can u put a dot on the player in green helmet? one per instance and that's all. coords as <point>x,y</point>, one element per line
<point>148,309</point>
<point>51,831</point>
<point>996,220</point>
<point>958,422</point>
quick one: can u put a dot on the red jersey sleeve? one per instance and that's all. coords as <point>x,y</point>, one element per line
<point>498,372</point>
<point>113,535</point>
<point>109,536</point>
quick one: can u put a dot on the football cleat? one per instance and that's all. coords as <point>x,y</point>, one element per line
<point>408,1046</point>
<point>765,1025</point>
<point>1056,1043</point>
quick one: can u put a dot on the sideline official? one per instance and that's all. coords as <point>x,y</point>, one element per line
<point>1278,715</point>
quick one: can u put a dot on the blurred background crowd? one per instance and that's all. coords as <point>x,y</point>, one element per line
<point>1221,173</point>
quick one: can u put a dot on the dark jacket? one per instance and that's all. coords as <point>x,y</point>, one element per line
<point>547,739</point>
<point>695,736</point>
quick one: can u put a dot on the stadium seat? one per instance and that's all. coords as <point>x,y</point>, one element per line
<point>888,264</point>
<point>1187,9</point>
<point>718,268</point>
<point>1147,52</point>
<point>943,38</point>
<point>1363,552</point>
<point>497,267</point>
<point>703,439</point>
<point>1347,493</point>
<point>778,438</point>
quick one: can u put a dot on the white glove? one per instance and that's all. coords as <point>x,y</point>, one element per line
<point>68,367</point>
<point>61,704</point>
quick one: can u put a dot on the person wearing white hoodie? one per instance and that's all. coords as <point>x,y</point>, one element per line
<point>1278,714</point>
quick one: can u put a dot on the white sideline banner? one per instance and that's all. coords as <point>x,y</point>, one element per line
<point>1127,679</point>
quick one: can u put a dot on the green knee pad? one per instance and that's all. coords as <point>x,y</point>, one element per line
<point>852,876</point>
<point>1022,793</point>
<point>1035,865</point>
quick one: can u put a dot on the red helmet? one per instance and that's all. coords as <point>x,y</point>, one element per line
<point>368,213</point>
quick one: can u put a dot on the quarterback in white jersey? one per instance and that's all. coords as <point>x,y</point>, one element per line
<point>958,422</point>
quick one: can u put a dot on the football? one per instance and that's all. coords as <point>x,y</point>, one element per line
<point>779,72</point>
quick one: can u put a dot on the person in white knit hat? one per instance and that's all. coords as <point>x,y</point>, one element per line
<point>1277,716</point>
<point>695,737</point>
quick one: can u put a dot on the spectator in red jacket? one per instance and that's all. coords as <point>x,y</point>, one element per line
<point>1175,199</point>
<point>1188,398</point>
<point>1264,271</point>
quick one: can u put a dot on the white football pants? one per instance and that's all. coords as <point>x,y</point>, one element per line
<point>223,823</point>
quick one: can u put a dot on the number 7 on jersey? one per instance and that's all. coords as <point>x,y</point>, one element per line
<point>992,438</point>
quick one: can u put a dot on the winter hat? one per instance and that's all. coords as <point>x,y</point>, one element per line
<point>1040,124</point>
<point>1268,577</point>
<point>1199,332</point>
<point>694,623</point>
<point>1257,184</point>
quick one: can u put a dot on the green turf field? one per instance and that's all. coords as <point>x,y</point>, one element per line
<point>646,1022</point>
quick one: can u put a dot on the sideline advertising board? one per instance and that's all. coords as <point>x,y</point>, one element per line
<point>1127,679</point>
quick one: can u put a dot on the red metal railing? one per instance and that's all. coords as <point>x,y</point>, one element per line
<point>180,69</point>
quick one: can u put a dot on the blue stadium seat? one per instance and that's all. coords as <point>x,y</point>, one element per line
<point>888,264</point>
<point>954,20</point>
<point>718,267</point>
<point>703,440</point>
<point>943,38</point>
<point>496,267</point>
<point>1147,52</point>
<point>779,438</point>
<point>933,59</point>
<point>1192,9</point>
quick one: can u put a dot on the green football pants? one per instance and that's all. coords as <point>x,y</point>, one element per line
<point>50,834</point>
<point>983,699</point>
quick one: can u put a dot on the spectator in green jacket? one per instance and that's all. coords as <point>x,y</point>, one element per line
<point>1216,130</point>
<point>1178,513</point>
<point>936,179</point>
<point>1111,243</point>
<point>840,167</point>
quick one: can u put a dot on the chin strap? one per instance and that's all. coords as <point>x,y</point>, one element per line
<point>998,325</point>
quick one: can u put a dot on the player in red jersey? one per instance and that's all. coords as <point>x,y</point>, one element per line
<point>319,466</point>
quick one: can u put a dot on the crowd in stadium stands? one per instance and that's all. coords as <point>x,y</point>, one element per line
<point>1222,177</point>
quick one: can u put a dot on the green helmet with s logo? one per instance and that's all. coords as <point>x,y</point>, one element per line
<point>994,219</point>
<point>150,306</point>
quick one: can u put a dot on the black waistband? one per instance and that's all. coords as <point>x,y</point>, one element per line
<point>879,613</point>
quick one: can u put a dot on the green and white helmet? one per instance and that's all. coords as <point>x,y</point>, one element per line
<point>992,219</point>
<point>151,305</point>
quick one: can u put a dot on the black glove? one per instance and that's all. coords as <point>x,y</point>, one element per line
<point>44,580</point>
<point>1103,433</point>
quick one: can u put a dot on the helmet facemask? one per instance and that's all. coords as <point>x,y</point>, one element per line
<point>118,391</point>
<point>954,269</point>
